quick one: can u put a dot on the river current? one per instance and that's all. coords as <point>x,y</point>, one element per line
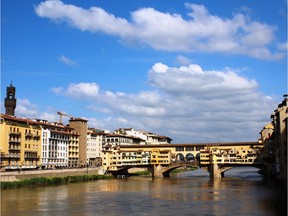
<point>241,192</point>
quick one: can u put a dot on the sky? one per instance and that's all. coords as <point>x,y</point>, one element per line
<point>195,71</point>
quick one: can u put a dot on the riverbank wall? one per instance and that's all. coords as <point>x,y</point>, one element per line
<point>22,175</point>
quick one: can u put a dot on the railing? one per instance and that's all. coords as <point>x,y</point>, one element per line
<point>15,140</point>
<point>11,156</point>
<point>232,162</point>
<point>31,157</point>
<point>15,133</point>
<point>29,135</point>
<point>185,163</point>
<point>15,148</point>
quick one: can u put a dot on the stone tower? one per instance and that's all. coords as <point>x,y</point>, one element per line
<point>10,100</point>
<point>80,126</point>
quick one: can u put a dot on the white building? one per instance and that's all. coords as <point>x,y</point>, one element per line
<point>95,142</point>
<point>147,137</point>
<point>55,142</point>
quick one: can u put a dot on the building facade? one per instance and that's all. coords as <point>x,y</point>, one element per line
<point>147,138</point>
<point>95,142</point>
<point>59,145</point>
<point>20,143</point>
<point>80,126</point>
<point>274,138</point>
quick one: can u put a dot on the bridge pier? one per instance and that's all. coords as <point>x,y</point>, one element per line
<point>214,171</point>
<point>158,171</point>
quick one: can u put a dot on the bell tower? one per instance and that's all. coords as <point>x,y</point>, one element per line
<point>10,100</point>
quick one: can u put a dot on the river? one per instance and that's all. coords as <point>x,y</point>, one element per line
<point>241,192</point>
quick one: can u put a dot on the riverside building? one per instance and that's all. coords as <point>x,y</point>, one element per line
<point>147,137</point>
<point>31,144</point>
<point>95,142</point>
<point>274,138</point>
<point>60,145</point>
<point>20,143</point>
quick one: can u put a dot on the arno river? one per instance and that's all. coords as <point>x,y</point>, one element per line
<point>242,192</point>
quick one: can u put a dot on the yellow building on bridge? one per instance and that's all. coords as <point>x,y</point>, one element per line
<point>237,153</point>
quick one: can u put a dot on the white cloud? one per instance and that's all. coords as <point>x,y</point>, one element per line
<point>57,90</point>
<point>201,31</point>
<point>26,109</point>
<point>188,103</point>
<point>182,60</point>
<point>66,60</point>
<point>191,79</point>
<point>160,68</point>
<point>78,90</point>
<point>283,46</point>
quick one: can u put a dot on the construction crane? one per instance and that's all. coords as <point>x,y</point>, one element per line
<point>63,114</point>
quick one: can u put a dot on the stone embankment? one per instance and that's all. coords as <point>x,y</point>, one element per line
<point>21,175</point>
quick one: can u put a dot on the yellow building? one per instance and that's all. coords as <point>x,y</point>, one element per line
<point>20,143</point>
<point>230,155</point>
<point>161,156</point>
<point>73,150</point>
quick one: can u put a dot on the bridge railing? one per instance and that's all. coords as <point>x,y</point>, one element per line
<point>185,163</point>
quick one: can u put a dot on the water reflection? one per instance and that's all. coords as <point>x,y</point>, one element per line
<point>189,193</point>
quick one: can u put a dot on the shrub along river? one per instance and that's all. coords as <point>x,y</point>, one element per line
<point>241,192</point>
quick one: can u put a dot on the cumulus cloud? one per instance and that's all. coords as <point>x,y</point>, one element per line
<point>182,60</point>
<point>26,109</point>
<point>283,46</point>
<point>192,79</point>
<point>187,103</point>
<point>57,90</point>
<point>201,31</point>
<point>66,60</point>
<point>78,90</point>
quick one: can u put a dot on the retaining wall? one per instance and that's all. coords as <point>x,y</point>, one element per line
<point>20,175</point>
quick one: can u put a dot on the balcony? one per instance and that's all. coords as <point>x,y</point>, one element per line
<point>15,133</point>
<point>11,156</point>
<point>36,137</point>
<point>31,157</point>
<point>14,140</point>
<point>28,135</point>
<point>15,148</point>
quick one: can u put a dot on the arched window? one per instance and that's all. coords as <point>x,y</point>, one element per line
<point>180,157</point>
<point>189,157</point>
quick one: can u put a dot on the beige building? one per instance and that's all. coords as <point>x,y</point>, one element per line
<point>161,156</point>
<point>20,143</point>
<point>30,144</point>
<point>269,150</point>
<point>279,121</point>
<point>95,142</point>
<point>112,157</point>
<point>274,138</point>
<point>79,125</point>
<point>230,155</point>
<point>73,150</point>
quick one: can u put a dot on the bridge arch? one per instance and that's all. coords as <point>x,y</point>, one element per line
<point>189,157</point>
<point>180,157</point>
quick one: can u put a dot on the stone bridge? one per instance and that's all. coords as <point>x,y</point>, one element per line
<point>156,170</point>
<point>160,160</point>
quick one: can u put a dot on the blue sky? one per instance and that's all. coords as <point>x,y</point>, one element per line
<point>196,71</point>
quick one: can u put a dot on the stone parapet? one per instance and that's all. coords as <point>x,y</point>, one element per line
<point>21,175</point>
